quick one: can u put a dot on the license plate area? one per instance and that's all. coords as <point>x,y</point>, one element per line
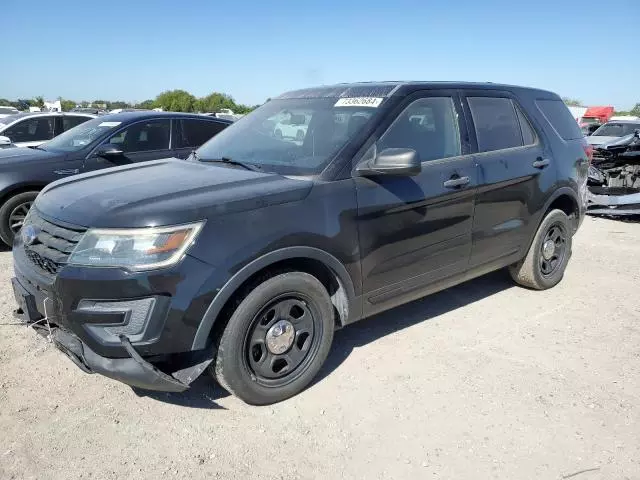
<point>27,310</point>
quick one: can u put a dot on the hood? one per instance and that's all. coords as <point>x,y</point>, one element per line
<point>599,140</point>
<point>11,156</point>
<point>164,192</point>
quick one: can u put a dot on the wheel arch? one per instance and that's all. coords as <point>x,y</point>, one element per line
<point>324,266</point>
<point>17,189</point>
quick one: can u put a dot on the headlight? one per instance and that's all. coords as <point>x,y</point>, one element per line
<point>135,249</point>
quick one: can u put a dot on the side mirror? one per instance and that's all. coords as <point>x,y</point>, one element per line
<point>392,161</point>
<point>5,141</point>
<point>108,151</point>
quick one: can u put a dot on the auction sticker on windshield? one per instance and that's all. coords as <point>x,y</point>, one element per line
<point>359,102</point>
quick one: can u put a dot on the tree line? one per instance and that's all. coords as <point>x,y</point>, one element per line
<point>170,101</point>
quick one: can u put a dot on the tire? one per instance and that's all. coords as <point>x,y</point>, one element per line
<point>249,358</point>
<point>532,272</point>
<point>13,209</point>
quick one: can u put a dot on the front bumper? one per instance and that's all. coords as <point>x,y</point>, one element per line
<point>129,326</point>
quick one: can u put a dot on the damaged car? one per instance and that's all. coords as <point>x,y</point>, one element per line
<point>614,176</point>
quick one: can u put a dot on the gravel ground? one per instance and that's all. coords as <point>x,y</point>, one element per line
<point>484,380</point>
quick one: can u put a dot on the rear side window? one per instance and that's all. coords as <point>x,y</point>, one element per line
<point>495,122</point>
<point>560,118</point>
<point>196,132</point>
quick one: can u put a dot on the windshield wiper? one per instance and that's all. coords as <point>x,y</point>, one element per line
<point>229,161</point>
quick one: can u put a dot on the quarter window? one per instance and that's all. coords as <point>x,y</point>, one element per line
<point>429,126</point>
<point>528,134</point>
<point>143,136</point>
<point>495,122</point>
<point>196,132</point>
<point>31,130</point>
<point>70,121</point>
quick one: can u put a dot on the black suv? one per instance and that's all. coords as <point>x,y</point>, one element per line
<point>245,258</point>
<point>95,144</point>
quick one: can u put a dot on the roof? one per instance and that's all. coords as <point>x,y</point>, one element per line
<point>402,88</point>
<point>150,114</point>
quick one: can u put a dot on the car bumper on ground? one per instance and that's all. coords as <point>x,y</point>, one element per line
<point>614,204</point>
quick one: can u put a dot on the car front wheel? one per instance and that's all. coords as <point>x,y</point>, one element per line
<point>276,340</point>
<point>13,214</point>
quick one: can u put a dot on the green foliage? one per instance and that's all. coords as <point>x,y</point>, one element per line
<point>214,102</point>
<point>38,102</point>
<point>4,102</point>
<point>176,101</point>
<point>572,102</point>
<point>118,104</point>
<point>147,104</point>
<point>635,110</point>
<point>67,105</point>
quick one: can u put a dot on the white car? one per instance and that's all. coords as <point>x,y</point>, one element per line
<point>32,129</point>
<point>294,127</point>
<point>6,111</point>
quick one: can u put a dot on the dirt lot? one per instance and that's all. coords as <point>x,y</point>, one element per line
<point>485,380</point>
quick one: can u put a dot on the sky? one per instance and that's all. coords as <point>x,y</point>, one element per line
<point>134,49</point>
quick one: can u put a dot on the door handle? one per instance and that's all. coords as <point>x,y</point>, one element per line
<point>541,162</point>
<point>456,182</point>
<point>68,171</point>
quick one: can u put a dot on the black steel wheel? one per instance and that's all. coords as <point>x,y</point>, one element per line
<point>280,340</point>
<point>545,262</point>
<point>553,249</point>
<point>276,340</point>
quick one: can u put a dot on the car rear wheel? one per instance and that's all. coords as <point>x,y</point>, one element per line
<point>276,340</point>
<point>13,214</point>
<point>548,256</point>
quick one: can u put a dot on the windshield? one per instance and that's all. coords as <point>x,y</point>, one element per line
<point>616,129</point>
<point>291,136</point>
<point>8,111</point>
<point>79,137</point>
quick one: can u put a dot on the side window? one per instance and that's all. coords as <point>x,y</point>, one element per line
<point>69,122</point>
<point>560,118</point>
<point>31,130</point>
<point>528,134</point>
<point>196,132</point>
<point>143,136</point>
<point>429,126</point>
<point>495,122</point>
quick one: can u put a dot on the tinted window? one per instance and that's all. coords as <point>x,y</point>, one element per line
<point>495,122</point>
<point>528,135</point>
<point>560,118</point>
<point>69,122</point>
<point>196,132</point>
<point>429,126</point>
<point>31,130</point>
<point>143,136</point>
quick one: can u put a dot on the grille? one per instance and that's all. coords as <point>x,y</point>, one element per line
<point>53,245</point>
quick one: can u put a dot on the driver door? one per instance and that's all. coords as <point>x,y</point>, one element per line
<point>415,231</point>
<point>140,142</point>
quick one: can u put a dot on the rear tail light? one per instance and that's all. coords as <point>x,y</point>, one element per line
<point>588,150</point>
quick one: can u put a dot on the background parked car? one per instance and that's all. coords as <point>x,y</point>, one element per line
<point>101,142</point>
<point>6,111</point>
<point>32,129</point>
<point>611,131</point>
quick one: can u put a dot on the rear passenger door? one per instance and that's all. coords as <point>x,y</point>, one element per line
<point>190,133</point>
<point>514,167</point>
